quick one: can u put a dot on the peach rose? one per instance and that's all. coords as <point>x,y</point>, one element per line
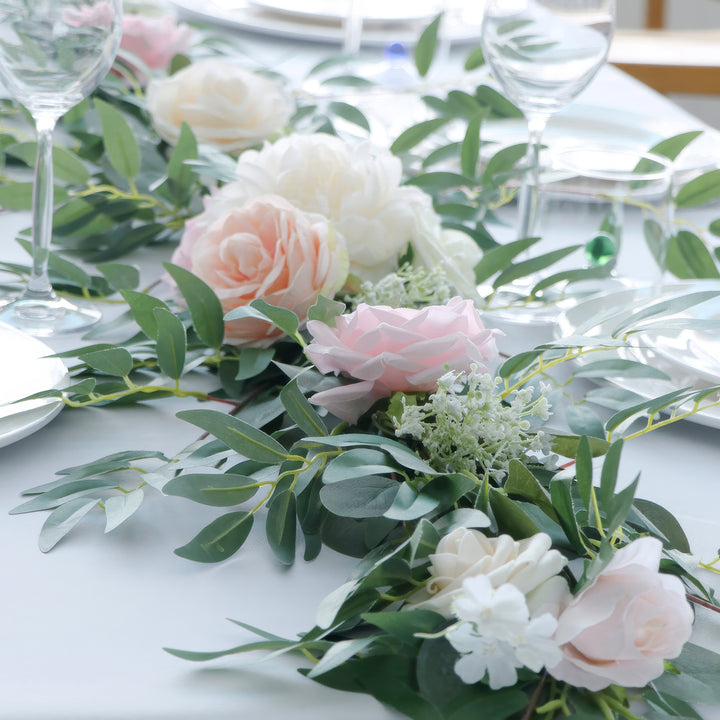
<point>268,249</point>
<point>225,105</point>
<point>530,565</point>
<point>621,628</point>
<point>401,349</point>
<point>154,40</point>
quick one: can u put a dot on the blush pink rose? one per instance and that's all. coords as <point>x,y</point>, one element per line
<point>268,249</point>
<point>621,628</point>
<point>400,349</point>
<point>154,40</point>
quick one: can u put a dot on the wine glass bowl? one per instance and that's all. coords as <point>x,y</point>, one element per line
<point>544,53</point>
<point>53,53</point>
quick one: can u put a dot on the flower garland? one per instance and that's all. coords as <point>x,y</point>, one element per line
<point>497,574</point>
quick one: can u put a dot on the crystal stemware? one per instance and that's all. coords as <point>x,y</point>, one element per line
<point>53,53</point>
<point>543,53</point>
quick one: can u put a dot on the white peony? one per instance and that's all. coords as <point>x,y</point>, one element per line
<point>529,565</point>
<point>225,105</point>
<point>357,188</point>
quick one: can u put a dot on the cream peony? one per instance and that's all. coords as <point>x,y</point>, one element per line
<point>225,105</point>
<point>270,250</point>
<point>529,565</point>
<point>397,349</point>
<point>357,188</point>
<point>621,628</point>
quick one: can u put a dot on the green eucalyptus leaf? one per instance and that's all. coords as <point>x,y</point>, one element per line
<point>582,420</point>
<point>502,163</point>
<point>620,507</point>
<point>414,135</point>
<point>285,320</point>
<point>511,518</point>
<point>113,361</point>
<point>349,113</point>
<point>326,310</point>
<point>222,538</point>
<point>470,151</point>
<point>475,59</point>
<point>280,526</point>
<point>584,472</point>
<point>120,143</point>
<point>238,435</point>
<point>519,362</point>
<point>16,196</point>
<point>426,45</point>
<point>523,483</point>
<point>181,176</point>
<point>119,508</point>
<point>650,513</point>
<point>410,504</point>
<point>171,343</point>
<point>62,520</point>
<point>699,190</point>
<point>66,165</point>
<point>301,411</point>
<point>60,265</point>
<point>363,497</point>
<point>357,462</point>
<point>120,276</point>
<point>439,181</point>
<point>671,147</point>
<point>253,361</point>
<point>561,496</point>
<point>688,257</point>
<point>498,103</point>
<point>63,493</point>
<point>608,475</point>
<point>205,308</point>
<point>143,308</point>
<point>216,489</point>
<point>533,265</point>
<point>339,653</point>
<point>499,258</point>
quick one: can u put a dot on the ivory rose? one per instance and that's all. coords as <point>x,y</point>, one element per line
<point>401,349</point>
<point>530,565</point>
<point>225,105</point>
<point>268,249</point>
<point>357,188</point>
<point>621,628</point>
<point>154,39</point>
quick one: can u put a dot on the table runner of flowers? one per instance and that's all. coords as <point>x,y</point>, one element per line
<point>323,290</point>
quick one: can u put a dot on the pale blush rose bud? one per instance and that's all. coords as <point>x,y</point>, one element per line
<point>621,628</point>
<point>154,39</point>
<point>268,249</point>
<point>400,349</point>
<point>225,105</point>
<point>530,565</point>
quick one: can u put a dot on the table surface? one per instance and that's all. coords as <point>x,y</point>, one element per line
<point>82,628</point>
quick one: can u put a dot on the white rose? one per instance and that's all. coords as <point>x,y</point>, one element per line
<point>356,186</point>
<point>225,105</point>
<point>530,565</point>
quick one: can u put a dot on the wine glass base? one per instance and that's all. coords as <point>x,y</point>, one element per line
<point>44,318</point>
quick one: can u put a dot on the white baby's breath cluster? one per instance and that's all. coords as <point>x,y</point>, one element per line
<point>408,287</point>
<point>467,426</point>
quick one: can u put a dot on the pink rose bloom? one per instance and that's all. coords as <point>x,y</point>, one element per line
<point>154,39</point>
<point>621,628</point>
<point>94,14</point>
<point>268,249</point>
<point>400,349</point>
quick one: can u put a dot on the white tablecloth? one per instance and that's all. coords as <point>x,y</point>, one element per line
<point>82,628</point>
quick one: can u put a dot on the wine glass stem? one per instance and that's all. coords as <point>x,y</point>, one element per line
<point>353,27</point>
<point>39,286</point>
<point>529,191</point>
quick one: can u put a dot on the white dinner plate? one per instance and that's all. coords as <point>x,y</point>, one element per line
<point>25,370</point>
<point>599,315</point>
<point>250,16</point>
<point>587,124</point>
<point>372,10</point>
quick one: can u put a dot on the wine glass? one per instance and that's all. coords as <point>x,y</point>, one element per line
<point>53,53</point>
<point>544,53</point>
